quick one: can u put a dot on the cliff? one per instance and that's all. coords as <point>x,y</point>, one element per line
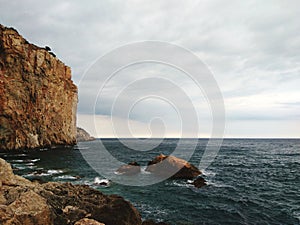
<point>38,100</point>
<point>82,135</point>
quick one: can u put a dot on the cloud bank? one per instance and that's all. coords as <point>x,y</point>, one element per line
<point>252,47</point>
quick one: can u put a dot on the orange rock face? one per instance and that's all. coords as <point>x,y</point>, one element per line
<point>38,100</point>
<point>164,165</point>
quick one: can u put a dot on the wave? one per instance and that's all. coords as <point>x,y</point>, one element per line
<point>66,177</point>
<point>24,160</point>
<point>208,173</point>
<point>51,172</point>
<point>101,182</point>
<point>41,173</point>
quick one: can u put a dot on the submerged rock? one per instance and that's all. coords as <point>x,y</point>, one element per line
<point>38,99</point>
<point>131,168</point>
<point>30,203</point>
<point>83,135</point>
<point>164,165</point>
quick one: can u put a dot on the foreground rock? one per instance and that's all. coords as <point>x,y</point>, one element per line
<point>38,99</point>
<point>164,165</point>
<point>82,135</point>
<point>130,169</point>
<point>27,203</point>
<point>86,221</point>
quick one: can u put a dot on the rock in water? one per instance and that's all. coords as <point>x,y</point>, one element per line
<point>38,100</point>
<point>131,168</point>
<point>199,182</point>
<point>82,135</point>
<point>164,165</point>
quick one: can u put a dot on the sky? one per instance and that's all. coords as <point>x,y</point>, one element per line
<point>252,49</point>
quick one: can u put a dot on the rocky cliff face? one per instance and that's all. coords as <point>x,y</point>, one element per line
<point>38,99</point>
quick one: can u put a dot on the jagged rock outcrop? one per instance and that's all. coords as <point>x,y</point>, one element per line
<point>164,165</point>
<point>38,100</point>
<point>82,135</point>
<point>199,182</point>
<point>131,168</point>
<point>30,203</point>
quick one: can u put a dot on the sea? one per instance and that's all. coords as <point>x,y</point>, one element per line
<point>251,181</point>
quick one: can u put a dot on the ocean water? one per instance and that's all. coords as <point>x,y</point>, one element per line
<point>251,181</point>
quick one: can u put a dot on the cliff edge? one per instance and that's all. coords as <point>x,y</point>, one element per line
<point>38,100</point>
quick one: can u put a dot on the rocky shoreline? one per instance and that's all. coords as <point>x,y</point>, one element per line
<point>82,135</point>
<point>32,203</point>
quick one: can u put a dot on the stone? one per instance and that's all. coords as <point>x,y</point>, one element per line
<point>199,182</point>
<point>26,203</point>
<point>83,135</point>
<point>38,99</point>
<point>30,209</point>
<point>86,221</point>
<point>163,165</point>
<point>131,168</point>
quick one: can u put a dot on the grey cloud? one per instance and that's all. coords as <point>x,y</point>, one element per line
<point>251,46</point>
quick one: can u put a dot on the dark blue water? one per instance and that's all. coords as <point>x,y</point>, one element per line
<point>252,181</point>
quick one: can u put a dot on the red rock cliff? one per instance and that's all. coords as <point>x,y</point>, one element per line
<point>38,99</point>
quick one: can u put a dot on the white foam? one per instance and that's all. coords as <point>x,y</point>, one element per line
<point>143,170</point>
<point>65,177</point>
<point>51,172</point>
<point>104,182</point>
<point>208,173</point>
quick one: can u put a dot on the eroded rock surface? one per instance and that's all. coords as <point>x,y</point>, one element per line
<point>30,203</point>
<point>131,168</point>
<point>164,165</point>
<point>38,99</point>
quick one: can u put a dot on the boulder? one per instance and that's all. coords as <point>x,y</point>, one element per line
<point>199,182</point>
<point>30,209</point>
<point>163,165</point>
<point>131,168</point>
<point>23,202</point>
<point>86,221</point>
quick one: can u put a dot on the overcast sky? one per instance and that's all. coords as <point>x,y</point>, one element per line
<point>251,47</point>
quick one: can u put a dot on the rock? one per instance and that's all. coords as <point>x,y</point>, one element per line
<point>38,100</point>
<point>164,165</point>
<point>27,203</point>
<point>30,209</point>
<point>82,135</point>
<point>86,221</point>
<point>199,182</point>
<point>7,176</point>
<point>131,169</point>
